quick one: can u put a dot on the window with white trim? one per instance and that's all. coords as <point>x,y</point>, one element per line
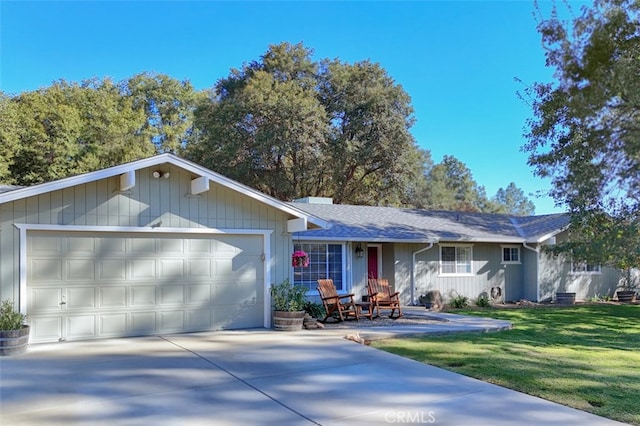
<point>584,268</point>
<point>456,260</point>
<point>326,260</point>
<point>510,254</point>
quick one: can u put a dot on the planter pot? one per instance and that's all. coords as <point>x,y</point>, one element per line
<point>565,298</point>
<point>288,321</point>
<point>14,342</point>
<point>626,295</point>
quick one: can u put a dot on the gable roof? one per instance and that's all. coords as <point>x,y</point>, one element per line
<point>390,224</point>
<point>12,193</point>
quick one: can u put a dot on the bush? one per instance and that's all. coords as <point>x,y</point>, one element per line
<point>288,297</point>
<point>483,301</point>
<point>459,301</point>
<point>316,310</point>
<point>10,319</point>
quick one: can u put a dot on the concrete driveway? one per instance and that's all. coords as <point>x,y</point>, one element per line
<point>252,377</point>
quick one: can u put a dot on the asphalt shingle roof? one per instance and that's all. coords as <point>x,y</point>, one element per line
<point>368,223</point>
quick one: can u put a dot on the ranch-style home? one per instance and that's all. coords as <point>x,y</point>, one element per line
<point>163,245</point>
<point>457,253</point>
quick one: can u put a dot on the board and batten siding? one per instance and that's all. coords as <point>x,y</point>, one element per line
<point>163,203</point>
<point>488,271</point>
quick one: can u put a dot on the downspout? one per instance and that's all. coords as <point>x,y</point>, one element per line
<point>413,271</point>
<point>537,251</point>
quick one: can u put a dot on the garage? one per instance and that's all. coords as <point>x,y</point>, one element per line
<point>85,285</point>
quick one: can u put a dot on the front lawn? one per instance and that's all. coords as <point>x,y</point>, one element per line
<point>586,357</point>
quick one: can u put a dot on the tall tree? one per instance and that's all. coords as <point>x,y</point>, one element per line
<point>168,105</point>
<point>513,201</point>
<point>585,133</point>
<point>451,187</point>
<point>293,127</point>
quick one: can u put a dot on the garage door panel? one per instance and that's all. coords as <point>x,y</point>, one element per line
<point>83,285</point>
<point>143,323</point>
<point>45,329</point>
<point>172,294</point>
<point>81,246</point>
<point>143,269</point>
<point>113,297</point>
<point>110,246</point>
<point>81,298</point>
<point>112,269</point>
<point>198,319</point>
<point>81,270</point>
<point>199,294</point>
<point>81,326</point>
<point>172,321</point>
<point>171,268</point>
<point>142,246</point>
<point>112,324</point>
<point>235,317</point>
<point>44,299</point>
<point>200,268</point>
<point>143,296</point>
<point>45,270</point>
<point>230,293</point>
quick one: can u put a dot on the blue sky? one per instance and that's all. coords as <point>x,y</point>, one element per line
<point>457,60</point>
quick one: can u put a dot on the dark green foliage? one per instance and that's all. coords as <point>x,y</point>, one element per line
<point>585,133</point>
<point>316,310</point>
<point>459,301</point>
<point>10,319</point>
<point>288,297</point>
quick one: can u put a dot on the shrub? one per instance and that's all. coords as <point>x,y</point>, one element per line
<point>288,297</point>
<point>483,301</point>
<point>459,301</point>
<point>316,310</point>
<point>10,319</point>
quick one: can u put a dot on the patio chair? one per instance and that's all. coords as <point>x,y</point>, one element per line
<point>341,304</point>
<point>380,296</point>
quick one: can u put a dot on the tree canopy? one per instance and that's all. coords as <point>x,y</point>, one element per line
<point>71,128</point>
<point>285,124</point>
<point>585,130</point>
<point>294,127</point>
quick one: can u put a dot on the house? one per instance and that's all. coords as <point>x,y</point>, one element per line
<point>163,245</point>
<point>154,246</point>
<point>461,253</point>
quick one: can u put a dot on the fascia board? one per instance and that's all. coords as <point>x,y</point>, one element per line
<point>154,161</point>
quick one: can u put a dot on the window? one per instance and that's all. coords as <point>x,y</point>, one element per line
<point>584,268</point>
<point>510,254</point>
<point>455,260</point>
<point>325,261</point>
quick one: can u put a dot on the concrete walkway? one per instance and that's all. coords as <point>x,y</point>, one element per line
<point>258,377</point>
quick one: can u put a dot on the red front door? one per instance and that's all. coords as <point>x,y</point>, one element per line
<point>372,262</point>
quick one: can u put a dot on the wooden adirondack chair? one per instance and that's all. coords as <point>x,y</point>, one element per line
<point>342,304</point>
<point>380,296</point>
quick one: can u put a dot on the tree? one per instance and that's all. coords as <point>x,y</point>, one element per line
<point>168,105</point>
<point>585,132</point>
<point>451,187</point>
<point>513,201</point>
<point>70,128</point>
<point>292,127</point>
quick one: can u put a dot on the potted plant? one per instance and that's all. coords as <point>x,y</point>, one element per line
<point>14,333</point>
<point>299,259</point>
<point>288,303</point>
<point>628,292</point>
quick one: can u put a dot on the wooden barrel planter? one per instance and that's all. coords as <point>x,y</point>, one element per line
<point>565,298</point>
<point>288,321</point>
<point>626,296</point>
<point>14,342</point>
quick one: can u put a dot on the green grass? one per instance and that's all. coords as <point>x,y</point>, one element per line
<point>586,357</point>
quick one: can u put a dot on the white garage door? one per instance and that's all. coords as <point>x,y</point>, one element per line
<point>92,285</point>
